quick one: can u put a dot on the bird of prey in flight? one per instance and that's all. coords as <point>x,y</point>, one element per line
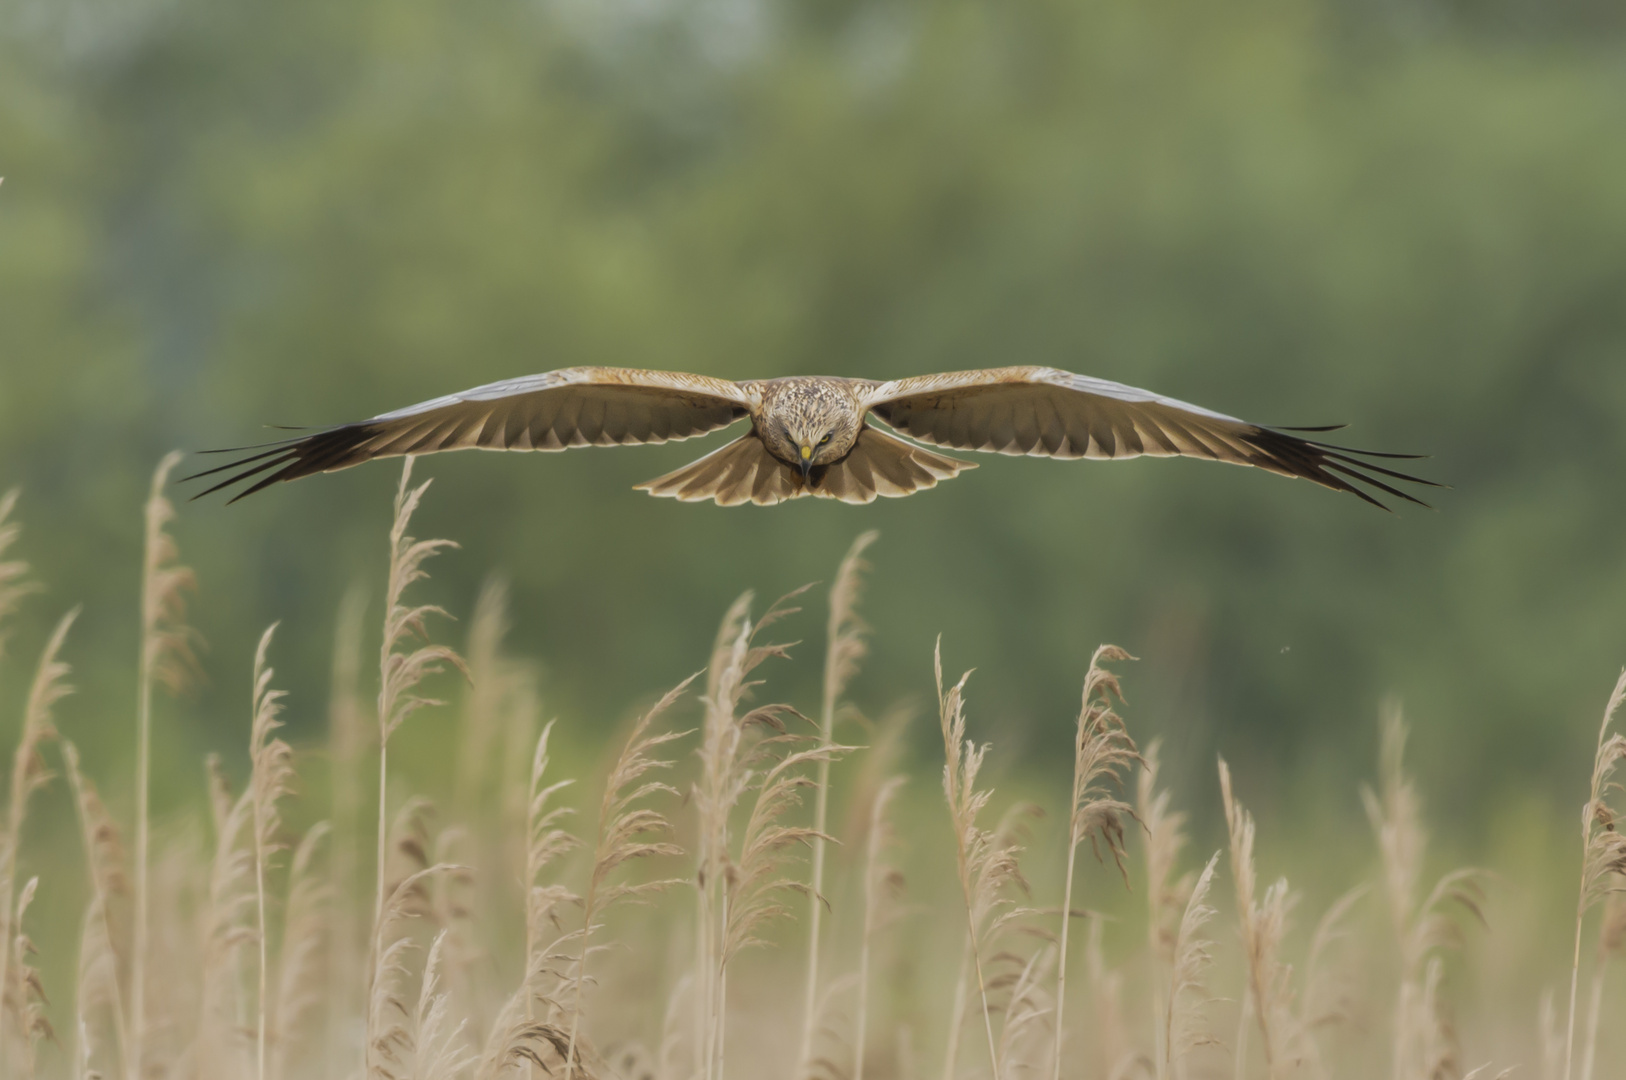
<point>814,435</point>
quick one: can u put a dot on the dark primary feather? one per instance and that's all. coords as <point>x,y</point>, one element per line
<point>336,448</point>
<point>1336,467</point>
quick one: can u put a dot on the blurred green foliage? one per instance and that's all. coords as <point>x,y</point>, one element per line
<point>1410,216</point>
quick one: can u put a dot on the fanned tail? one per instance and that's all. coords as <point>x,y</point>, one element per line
<point>745,472</point>
<point>883,466</point>
<point>742,471</point>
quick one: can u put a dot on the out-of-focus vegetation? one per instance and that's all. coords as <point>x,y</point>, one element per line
<point>1407,216</point>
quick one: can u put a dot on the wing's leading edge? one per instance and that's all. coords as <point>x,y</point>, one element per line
<point>1046,412</point>
<point>557,410</point>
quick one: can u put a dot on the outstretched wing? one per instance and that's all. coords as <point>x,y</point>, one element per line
<point>583,406</point>
<point>1046,412</point>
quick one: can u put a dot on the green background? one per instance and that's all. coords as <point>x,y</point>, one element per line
<point>1409,216</point>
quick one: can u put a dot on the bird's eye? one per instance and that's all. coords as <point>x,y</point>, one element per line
<point>825,439</point>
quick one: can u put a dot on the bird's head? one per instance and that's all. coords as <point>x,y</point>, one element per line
<point>811,425</point>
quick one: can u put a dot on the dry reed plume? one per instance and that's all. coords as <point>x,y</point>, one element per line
<point>402,667</point>
<point>984,865</point>
<point>1603,861</point>
<point>626,831</point>
<point>1102,750</point>
<point>167,658</point>
<point>1422,1044</point>
<point>1263,924</point>
<point>844,649</point>
<point>493,937</point>
<point>14,582</point>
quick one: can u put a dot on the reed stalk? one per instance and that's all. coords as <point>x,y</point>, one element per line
<point>1611,942</point>
<point>29,773</point>
<point>1102,749</point>
<point>167,657</point>
<point>14,580</point>
<point>401,667</point>
<point>1183,1029</point>
<point>980,865</point>
<point>626,831</point>
<point>878,880</point>
<point>728,757</point>
<point>546,841</point>
<point>271,775</point>
<point>98,982</point>
<point>1167,899</point>
<point>1603,847</point>
<point>305,960</point>
<point>844,649</point>
<point>1263,924</point>
<point>1420,922</point>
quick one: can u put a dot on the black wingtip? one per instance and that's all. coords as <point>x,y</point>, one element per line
<point>1341,468</point>
<point>288,459</point>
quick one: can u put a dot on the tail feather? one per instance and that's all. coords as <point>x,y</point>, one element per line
<point>883,466</point>
<point>740,472</point>
<point>744,471</point>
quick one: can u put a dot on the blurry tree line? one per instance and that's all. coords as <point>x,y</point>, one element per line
<point>1407,215</point>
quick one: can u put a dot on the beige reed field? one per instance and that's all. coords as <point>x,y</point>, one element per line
<point>747,889</point>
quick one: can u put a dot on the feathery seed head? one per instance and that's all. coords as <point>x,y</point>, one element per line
<point>14,583</point>
<point>168,644</point>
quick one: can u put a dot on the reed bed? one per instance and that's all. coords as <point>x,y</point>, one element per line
<point>746,891</point>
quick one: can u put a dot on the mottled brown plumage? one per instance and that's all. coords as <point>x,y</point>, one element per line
<point>811,436</point>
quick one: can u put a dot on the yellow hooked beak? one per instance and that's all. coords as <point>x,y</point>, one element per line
<point>807,460</point>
